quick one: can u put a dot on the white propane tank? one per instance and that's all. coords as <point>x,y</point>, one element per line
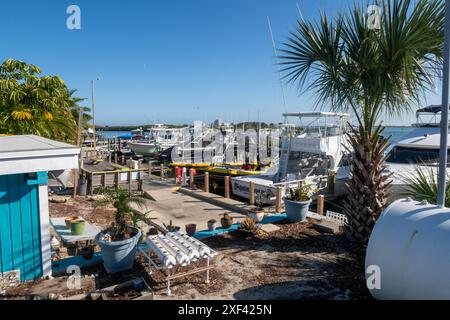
<point>410,247</point>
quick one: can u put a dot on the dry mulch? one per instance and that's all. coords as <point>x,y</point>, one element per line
<point>295,262</point>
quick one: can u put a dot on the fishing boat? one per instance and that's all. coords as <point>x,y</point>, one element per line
<point>309,153</point>
<point>157,140</point>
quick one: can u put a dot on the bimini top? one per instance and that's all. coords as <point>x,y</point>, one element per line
<point>316,114</point>
<point>30,153</point>
<point>432,109</point>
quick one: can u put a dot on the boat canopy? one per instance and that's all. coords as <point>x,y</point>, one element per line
<point>433,109</point>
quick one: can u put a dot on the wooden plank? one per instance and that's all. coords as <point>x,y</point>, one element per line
<point>161,172</point>
<point>103,180</point>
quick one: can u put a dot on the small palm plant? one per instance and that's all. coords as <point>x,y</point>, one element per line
<point>122,201</point>
<point>422,184</point>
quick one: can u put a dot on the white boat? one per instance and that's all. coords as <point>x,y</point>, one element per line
<point>417,149</point>
<point>307,156</point>
<point>156,141</point>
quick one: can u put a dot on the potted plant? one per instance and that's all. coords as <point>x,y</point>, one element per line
<point>212,224</point>
<point>171,228</point>
<point>258,212</point>
<point>119,242</point>
<point>297,202</point>
<point>226,221</point>
<point>190,229</point>
<point>247,226</point>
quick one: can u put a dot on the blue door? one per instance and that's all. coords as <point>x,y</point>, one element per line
<point>20,238</point>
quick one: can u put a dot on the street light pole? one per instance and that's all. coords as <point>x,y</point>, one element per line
<point>444,111</point>
<point>93,115</point>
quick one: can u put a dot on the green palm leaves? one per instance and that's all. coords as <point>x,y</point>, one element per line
<point>421,184</point>
<point>34,104</point>
<point>351,63</point>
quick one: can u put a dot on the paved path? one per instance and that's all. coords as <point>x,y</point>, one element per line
<point>167,204</point>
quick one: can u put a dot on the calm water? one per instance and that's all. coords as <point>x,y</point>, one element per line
<point>395,132</point>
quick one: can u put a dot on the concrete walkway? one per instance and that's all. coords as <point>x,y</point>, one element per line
<point>166,203</point>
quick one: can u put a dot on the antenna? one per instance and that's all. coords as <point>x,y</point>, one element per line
<point>278,63</point>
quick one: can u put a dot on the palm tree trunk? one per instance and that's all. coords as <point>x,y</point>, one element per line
<point>368,188</point>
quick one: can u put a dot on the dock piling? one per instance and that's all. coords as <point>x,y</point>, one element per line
<point>251,190</point>
<point>206,186</point>
<point>278,199</point>
<point>320,204</point>
<point>227,187</point>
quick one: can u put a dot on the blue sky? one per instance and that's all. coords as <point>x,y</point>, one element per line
<point>172,61</point>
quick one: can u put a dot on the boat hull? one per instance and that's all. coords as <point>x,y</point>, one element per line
<point>144,149</point>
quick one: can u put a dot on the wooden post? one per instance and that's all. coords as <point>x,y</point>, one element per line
<point>75,182</point>
<point>130,176</point>
<point>161,173</point>
<point>115,157</point>
<point>120,145</point>
<point>109,157</point>
<point>116,179</point>
<point>91,183</point>
<point>191,177</point>
<point>140,182</point>
<point>278,199</point>
<point>122,159</point>
<point>206,186</point>
<point>331,181</point>
<point>227,186</point>
<point>320,204</point>
<point>149,168</point>
<point>251,193</point>
<point>103,179</point>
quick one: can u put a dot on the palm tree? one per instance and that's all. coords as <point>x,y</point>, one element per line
<point>353,65</point>
<point>122,201</point>
<point>34,104</point>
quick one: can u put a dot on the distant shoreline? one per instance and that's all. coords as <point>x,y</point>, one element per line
<point>130,128</point>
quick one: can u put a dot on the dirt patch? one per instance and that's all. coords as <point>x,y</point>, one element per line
<point>81,206</point>
<point>295,262</point>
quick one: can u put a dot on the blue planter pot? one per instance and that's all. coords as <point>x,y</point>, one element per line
<point>119,255</point>
<point>296,211</point>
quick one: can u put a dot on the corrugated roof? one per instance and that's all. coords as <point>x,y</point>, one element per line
<point>30,143</point>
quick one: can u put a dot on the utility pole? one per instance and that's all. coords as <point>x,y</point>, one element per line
<point>444,112</point>
<point>93,114</point>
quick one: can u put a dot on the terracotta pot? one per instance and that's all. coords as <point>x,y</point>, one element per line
<point>190,229</point>
<point>68,220</point>
<point>226,221</point>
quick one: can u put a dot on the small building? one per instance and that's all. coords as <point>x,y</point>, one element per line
<point>24,218</point>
